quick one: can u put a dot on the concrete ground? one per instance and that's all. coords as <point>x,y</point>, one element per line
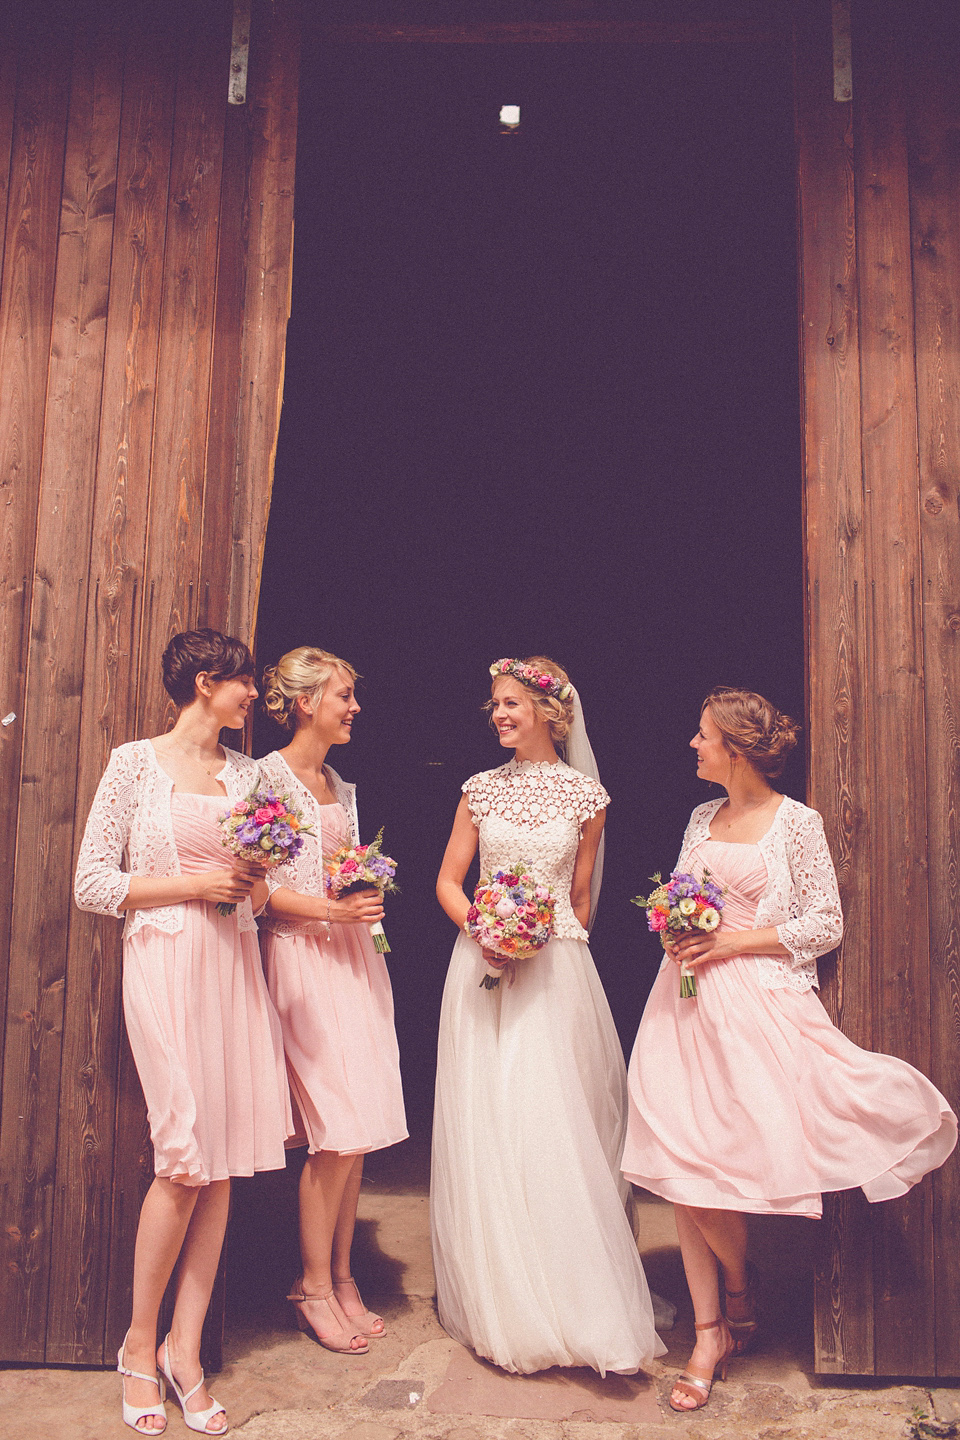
<point>416,1382</point>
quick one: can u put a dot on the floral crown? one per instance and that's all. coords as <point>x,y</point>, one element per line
<point>536,679</point>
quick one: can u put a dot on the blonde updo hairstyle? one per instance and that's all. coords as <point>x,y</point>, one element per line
<point>558,714</point>
<point>752,728</point>
<point>304,671</point>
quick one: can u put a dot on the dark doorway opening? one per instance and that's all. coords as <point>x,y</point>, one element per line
<point>542,396</point>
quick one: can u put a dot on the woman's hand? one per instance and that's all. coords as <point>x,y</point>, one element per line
<point>507,968</point>
<point>361,907</point>
<point>228,887</point>
<point>698,946</point>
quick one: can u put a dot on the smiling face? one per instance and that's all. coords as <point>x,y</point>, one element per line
<point>714,760</point>
<point>514,715</point>
<point>230,699</point>
<point>330,717</point>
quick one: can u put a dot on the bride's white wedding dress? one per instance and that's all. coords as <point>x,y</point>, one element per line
<point>535,1259</point>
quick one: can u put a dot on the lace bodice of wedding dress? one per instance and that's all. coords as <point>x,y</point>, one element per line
<point>532,813</point>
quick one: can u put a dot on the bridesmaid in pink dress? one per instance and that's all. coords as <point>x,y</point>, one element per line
<point>204,1035</point>
<point>332,993</point>
<point>746,1099</point>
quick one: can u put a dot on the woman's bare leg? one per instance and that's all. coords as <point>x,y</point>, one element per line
<point>346,1222</point>
<point>347,1293</point>
<point>709,1240</point>
<point>164,1219</point>
<point>324,1183</point>
<point>196,1274</point>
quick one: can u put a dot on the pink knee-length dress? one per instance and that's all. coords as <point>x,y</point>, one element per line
<point>204,1034</point>
<point>748,1098</point>
<point>334,999</point>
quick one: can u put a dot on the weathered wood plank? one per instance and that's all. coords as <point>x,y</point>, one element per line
<point>184,369</point>
<point>114,617</point>
<point>85,1161</point>
<point>835,582</point>
<point>220,467</point>
<point>9,63</point>
<point>273,121</point>
<point>934,105</point>
<point>43,888</point>
<point>903,1272</point>
<point>26,307</point>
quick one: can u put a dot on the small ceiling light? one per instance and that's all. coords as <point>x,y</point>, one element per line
<point>509,119</point>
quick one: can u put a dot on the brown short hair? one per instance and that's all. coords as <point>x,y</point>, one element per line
<point>753,728</point>
<point>196,652</point>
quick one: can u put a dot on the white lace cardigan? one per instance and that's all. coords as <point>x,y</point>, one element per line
<point>800,898</point>
<point>130,822</point>
<point>305,873</point>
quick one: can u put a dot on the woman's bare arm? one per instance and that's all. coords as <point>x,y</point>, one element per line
<point>457,858</point>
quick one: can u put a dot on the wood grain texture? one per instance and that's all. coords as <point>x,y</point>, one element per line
<point>43,888</point>
<point>127,282</point>
<point>114,613</point>
<point>903,1274</point>
<point>88,1161</point>
<point>186,347</point>
<point>33,1009</point>
<point>9,72</point>
<point>221,478</point>
<point>269,278</point>
<point>9,68</point>
<point>837,705</point>
<point>934,158</point>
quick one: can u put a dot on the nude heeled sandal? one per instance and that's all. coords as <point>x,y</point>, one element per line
<point>348,1331</point>
<point>193,1419</point>
<point>373,1320</point>
<point>695,1386</point>
<point>133,1413</point>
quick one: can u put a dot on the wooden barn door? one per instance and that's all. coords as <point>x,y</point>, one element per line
<point>879,185</point>
<point>145,252</point>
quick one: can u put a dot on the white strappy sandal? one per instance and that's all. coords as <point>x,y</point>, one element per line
<point>193,1419</point>
<point>133,1413</point>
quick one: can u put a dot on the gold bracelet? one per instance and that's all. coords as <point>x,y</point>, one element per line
<point>326,923</point>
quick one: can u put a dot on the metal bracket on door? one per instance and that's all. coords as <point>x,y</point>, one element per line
<point>239,53</point>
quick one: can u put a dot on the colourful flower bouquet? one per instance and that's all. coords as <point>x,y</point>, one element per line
<point>264,829</point>
<point>680,906</point>
<point>363,867</point>
<point>512,915</point>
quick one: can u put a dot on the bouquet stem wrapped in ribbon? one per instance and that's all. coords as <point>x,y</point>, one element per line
<point>679,907</point>
<point>264,829</point>
<point>512,915</point>
<point>363,867</point>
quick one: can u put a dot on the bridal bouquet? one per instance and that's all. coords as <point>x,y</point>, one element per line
<point>512,915</point>
<point>265,829</point>
<point>363,867</point>
<point>680,906</point>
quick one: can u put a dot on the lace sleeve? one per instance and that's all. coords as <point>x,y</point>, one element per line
<point>819,926</point>
<point>479,790</point>
<point>100,883</point>
<point>591,798</point>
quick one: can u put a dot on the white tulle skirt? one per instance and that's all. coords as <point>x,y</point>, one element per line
<point>535,1259</point>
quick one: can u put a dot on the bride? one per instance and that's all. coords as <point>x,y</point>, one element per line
<point>535,1259</point>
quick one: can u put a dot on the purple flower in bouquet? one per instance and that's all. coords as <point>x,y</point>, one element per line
<point>264,829</point>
